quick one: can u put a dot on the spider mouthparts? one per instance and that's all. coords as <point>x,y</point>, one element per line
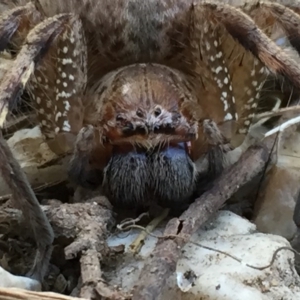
<point>170,148</point>
<point>188,147</point>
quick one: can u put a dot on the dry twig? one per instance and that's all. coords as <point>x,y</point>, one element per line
<point>13,294</point>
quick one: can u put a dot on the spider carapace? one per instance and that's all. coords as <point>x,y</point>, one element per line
<point>148,95</point>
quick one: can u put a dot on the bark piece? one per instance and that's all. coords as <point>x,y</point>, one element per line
<point>13,294</point>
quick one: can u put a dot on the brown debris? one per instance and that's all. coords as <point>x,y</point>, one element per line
<point>13,294</point>
<point>84,226</point>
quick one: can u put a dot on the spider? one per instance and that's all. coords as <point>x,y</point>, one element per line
<point>150,96</point>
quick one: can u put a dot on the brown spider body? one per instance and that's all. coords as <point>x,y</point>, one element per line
<point>131,75</point>
<point>149,95</point>
<point>141,96</point>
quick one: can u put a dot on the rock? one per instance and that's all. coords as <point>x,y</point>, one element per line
<point>7,280</point>
<point>39,163</point>
<point>210,275</point>
<point>274,208</point>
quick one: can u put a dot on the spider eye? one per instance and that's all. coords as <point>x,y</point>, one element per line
<point>157,111</point>
<point>119,118</point>
<point>139,113</point>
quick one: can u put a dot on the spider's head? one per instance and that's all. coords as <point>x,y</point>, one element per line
<point>148,105</point>
<point>150,121</point>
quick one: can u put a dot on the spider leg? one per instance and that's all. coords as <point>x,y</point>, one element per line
<point>27,202</point>
<point>79,162</point>
<point>288,19</point>
<point>254,40</point>
<point>89,158</point>
<point>58,91</point>
<point>16,78</point>
<point>15,25</point>
<point>57,87</point>
<point>279,21</point>
<point>246,56</point>
<point>11,86</point>
<point>231,71</point>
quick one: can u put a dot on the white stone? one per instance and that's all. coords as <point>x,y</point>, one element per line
<point>217,276</point>
<point>275,206</point>
<point>41,165</point>
<point>221,277</point>
<point>7,280</point>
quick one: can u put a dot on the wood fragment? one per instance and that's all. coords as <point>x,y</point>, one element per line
<point>68,220</point>
<point>14,124</point>
<point>13,294</point>
<point>90,273</point>
<point>138,243</point>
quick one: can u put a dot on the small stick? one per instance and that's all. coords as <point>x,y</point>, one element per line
<point>279,112</point>
<point>137,244</point>
<point>282,127</point>
<point>13,294</point>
